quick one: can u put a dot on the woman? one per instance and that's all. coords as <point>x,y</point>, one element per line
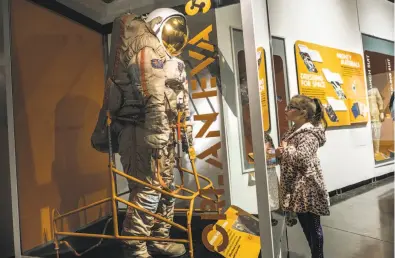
<point>302,187</point>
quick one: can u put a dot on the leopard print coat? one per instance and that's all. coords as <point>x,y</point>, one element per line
<point>302,187</point>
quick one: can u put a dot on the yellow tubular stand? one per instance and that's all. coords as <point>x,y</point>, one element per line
<point>189,195</point>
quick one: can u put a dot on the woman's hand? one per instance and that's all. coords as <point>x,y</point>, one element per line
<point>279,152</point>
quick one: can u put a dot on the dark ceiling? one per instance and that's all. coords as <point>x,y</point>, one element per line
<point>105,28</point>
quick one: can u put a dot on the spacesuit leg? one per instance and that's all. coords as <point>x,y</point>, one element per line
<point>137,161</point>
<point>166,204</point>
<point>166,209</point>
<point>376,131</point>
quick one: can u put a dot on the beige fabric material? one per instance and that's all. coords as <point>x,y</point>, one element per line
<point>177,93</point>
<point>138,162</point>
<point>138,71</point>
<point>376,104</point>
<point>146,73</point>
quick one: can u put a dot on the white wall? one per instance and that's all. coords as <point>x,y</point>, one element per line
<point>347,158</point>
<point>376,18</point>
<point>338,27</point>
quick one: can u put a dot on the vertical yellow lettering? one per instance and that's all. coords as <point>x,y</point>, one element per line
<point>213,150</point>
<point>209,120</point>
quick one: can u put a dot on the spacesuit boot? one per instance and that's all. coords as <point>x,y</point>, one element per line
<point>167,249</point>
<point>162,229</point>
<point>378,155</point>
<point>134,251</point>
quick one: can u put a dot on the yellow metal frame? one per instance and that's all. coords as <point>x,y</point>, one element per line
<point>56,216</point>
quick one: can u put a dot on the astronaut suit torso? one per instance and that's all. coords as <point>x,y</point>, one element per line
<point>154,88</point>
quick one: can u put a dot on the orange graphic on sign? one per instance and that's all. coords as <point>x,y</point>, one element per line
<point>263,88</point>
<point>209,155</point>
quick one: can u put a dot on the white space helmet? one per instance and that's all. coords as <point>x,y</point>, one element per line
<point>172,30</point>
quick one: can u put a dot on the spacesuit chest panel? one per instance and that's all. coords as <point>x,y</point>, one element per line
<point>176,84</point>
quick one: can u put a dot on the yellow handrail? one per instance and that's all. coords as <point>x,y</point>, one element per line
<point>116,198</point>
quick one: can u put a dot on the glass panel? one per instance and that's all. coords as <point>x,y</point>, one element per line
<point>378,45</point>
<point>218,100</point>
<point>282,92</point>
<point>282,97</point>
<point>237,118</point>
<point>243,106</point>
<point>379,60</point>
<point>1,35</point>
<point>244,125</point>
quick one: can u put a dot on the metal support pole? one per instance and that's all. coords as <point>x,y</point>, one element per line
<point>256,34</point>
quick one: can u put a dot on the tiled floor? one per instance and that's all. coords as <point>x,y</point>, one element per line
<point>361,225</point>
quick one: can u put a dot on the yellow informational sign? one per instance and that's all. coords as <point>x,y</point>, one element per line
<point>243,234</point>
<point>263,87</point>
<point>335,77</point>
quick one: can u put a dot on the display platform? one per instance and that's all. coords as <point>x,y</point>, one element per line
<point>113,249</point>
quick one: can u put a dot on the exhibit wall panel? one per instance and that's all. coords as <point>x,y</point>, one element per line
<point>376,18</point>
<point>58,84</point>
<point>347,155</point>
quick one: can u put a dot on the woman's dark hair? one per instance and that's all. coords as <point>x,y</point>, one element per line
<point>319,116</point>
<point>315,112</point>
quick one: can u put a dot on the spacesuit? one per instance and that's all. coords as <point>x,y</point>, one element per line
<point>150,88</point>
<point>376,106</point>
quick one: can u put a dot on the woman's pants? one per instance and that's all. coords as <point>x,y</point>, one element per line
<point>312,229</point>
